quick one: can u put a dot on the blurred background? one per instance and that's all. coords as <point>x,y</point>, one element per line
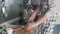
<point>10,12</point>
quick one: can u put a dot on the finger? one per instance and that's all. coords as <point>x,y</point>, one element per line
<point>31,21</point>
<point>29,28</point>
<point>26,27</point>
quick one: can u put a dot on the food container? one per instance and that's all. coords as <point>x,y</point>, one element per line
<point>9,30</point>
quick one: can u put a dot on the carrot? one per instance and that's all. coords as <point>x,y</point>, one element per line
<point>30,31</point>
<point>18,29</point>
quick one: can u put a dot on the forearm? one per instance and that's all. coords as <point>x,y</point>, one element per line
<point>41,20</point>
<point>32,17</point>
<point>49,13</point>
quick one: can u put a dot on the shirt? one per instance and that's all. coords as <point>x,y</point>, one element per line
<point>54,8</point>
<point>35,2</point>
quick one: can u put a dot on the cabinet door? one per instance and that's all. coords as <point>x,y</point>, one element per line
<point>12,9</point>
<point>2,19</point>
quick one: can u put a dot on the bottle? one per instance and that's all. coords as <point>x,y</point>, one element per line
<point>4,29</point>
<point>0,30</point>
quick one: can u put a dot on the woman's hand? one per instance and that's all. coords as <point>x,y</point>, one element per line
<point>30,26</point>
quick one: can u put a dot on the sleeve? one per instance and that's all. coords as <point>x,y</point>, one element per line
<point>52,11</point>
<point>35,2</point>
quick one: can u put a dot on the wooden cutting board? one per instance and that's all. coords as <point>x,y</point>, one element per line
<point>22,31</point>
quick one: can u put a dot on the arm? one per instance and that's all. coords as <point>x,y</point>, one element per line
<point>50,13</point>
<point>41,20</point>
<point>36,23</point>
<point>32,17</point>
